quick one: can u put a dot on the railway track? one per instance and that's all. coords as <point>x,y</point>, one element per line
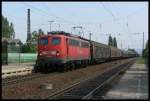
<point>86,89</point>
<point>17,79</point>
<point>97,92</point>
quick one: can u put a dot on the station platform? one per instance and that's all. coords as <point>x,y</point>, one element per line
<point>17,69</point>
<point>132,85</point>
<point>17,65</point>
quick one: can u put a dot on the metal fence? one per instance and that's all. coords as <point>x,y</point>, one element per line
<point>11,53</point>
<point>21,57</point>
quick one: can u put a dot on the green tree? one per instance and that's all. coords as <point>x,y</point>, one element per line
<point>114,42</point>
<point>28,48</point>
<point>7,29</point>
<point>12,30</point>
<point>36,34</point>
<point>110,41</point>
<point>145,52</point>
<point>40,32</point>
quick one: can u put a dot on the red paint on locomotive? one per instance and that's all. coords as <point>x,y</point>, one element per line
<point>66,48</point>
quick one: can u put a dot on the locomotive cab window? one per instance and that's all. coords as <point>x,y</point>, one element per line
<point>55,41</point>
<point>43,41</point>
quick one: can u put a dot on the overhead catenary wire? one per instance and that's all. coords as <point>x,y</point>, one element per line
<point>48,14</point>
<point>52,14</point>
<point>114,18</point>
<point>72,23</point>
<point>118,15</point>
<point>127,25</point>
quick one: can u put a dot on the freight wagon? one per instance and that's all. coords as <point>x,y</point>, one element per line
<point>115,53</point>
<point>99,52</point>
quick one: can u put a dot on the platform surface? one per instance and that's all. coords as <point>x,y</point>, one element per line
<point>17,66</point>
<point>132,85</point>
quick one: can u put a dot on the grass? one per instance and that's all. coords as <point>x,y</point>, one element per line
<point>141,60</point>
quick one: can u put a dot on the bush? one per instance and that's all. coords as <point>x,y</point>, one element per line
<point>146,62</point>
<point>26,48</point>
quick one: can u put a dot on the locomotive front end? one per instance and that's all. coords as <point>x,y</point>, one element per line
<point>50,52</point>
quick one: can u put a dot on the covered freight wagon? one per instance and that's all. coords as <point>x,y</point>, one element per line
<point>115,53</point>
<point>99,52</point>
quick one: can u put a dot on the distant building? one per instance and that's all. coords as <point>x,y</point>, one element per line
<point>10,41</point>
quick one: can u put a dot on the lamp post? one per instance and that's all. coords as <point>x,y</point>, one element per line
<point>19,52</point>
<point>51,24</point>
<point>59,27</point>
<point>120,41</point>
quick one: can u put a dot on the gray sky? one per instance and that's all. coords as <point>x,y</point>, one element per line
<point>120,19</point>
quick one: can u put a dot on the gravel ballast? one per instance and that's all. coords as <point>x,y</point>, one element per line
<point>33,89</point>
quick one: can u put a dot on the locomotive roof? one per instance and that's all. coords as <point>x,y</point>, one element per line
<point>114,48</point>
<point>59,33</point>
<point>66,34</point>
<point>94,42</point>
<point>104,45</point>
<point>76,36</point>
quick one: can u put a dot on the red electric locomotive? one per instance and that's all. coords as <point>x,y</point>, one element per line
<point>61,51</point>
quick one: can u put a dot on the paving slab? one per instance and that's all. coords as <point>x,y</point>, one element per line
<point>17,66</point>
<point>16,69</point>
<point>132,85</point>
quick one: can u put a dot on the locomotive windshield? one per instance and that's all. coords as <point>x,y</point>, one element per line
<point>56,41</point>
<point>43,41</point>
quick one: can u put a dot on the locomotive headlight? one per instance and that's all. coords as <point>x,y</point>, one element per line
<point>40,54</point>
<point>53,52</point>
<point>57,53</point>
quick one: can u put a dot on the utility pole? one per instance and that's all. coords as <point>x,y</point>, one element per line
<point>143,41</point>
<point>90,34</point>
<point>100,27</point>
<point>51,24</point>
<point>120,41</point>
<point>59,27</point>
<point>28,26</point>
<point>121,45</point>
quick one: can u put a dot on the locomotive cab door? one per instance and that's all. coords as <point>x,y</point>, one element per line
<point>67,47</point>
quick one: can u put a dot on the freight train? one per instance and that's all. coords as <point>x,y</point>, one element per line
<point>63,51</point>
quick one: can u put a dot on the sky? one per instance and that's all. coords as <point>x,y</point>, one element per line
<point>120,19</point>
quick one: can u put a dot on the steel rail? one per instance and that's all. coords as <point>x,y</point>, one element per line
<point>7,81</point>
<point>61,92</point>
<point>90,94</point>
